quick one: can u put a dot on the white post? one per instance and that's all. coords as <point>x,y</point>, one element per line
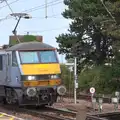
<point>75,77</point>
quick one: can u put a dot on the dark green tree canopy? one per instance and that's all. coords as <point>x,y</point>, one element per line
<point>99,20</point>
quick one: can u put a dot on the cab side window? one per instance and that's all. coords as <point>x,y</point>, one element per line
<point>8,59</point>
<point>1,62</point>
<point>14,59</point>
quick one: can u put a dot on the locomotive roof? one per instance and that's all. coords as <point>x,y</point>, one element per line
<point>30,46</point>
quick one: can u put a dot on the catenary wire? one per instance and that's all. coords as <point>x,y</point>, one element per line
<point>49,17</point>
<point>9,4</point>
<point>9,7</point>
<point>34,9</point>
<point>43,6</point>
<point>47,30</point>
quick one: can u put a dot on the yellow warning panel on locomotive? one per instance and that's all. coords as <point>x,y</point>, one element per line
<point>34,69</point>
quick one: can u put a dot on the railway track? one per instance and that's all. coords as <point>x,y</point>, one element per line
<point>4,116</point>
<point>88,97</point>
<point>48,113</point>
<point>51,113</point>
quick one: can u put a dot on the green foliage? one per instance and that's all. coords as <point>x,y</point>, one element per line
<point>13,42</point>
<point>100,21</point>
<point>26,38</point>
<point>29,38</point>
<point>90,17</point>
<point>105,79</point>
<point>89,78</point>
<point>66,76</point>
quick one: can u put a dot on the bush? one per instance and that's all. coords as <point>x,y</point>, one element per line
<point>103,78</point>
<point>66,76</point>
<point>89,78</point>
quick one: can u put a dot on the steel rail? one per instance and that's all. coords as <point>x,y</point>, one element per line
<point>87,96</point>
<point>48,113</point>
<point>62,111</point>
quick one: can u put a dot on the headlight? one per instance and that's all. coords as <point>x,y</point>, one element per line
<point>31,92</point>
<point>54,76</point>
<point>31,77</point>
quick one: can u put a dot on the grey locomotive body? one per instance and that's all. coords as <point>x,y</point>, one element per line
<point>17,82</point>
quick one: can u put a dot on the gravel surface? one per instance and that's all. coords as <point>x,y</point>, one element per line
<point>20,115</point>
<point>66,103</point>
<point>69,104</point>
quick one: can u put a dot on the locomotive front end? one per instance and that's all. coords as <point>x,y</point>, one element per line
<point>40,76</point>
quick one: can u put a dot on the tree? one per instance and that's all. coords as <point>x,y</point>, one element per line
<point>66,76</point>
<point>91,18</point>
<point>103,78</point>
<point>99,20</point>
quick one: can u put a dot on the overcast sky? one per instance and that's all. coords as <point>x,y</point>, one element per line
<point>49,28</point>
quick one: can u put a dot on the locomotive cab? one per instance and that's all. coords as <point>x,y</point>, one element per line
<point>33,74</point>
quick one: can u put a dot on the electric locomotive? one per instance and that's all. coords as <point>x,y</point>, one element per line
<point>30,74</point>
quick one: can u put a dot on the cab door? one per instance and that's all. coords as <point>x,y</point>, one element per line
<point>8,68</point>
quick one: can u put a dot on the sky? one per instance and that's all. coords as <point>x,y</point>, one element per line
<point>49,28</point>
